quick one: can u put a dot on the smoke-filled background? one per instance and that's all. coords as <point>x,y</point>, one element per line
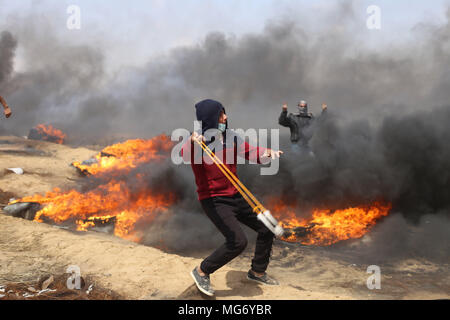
<point>386,136</point>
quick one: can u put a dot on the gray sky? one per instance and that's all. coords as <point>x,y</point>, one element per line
<point>136,30</point>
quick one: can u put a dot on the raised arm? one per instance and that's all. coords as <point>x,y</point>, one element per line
<point>6,108</point>
<point>284,119</point>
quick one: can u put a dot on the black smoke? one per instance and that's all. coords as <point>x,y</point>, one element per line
<point>404,161</point>
<point>71,85</point>
<point>386,136</point>
<point>8,45</point>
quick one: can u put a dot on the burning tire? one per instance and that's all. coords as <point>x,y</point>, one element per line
<point>24,210</point>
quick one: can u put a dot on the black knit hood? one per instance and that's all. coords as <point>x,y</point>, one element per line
<point>208,111</point>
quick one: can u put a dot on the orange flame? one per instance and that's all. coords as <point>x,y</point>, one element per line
<point>128,155</point>
<point>326,227</point>
<point>113,199</point>
<point>50,133</point>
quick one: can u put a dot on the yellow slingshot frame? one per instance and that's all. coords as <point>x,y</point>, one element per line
<point>263,214</point>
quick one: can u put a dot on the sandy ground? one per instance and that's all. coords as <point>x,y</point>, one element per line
<point>29,250</point>
<point>46,165</point>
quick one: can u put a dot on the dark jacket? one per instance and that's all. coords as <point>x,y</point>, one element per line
<point>211,182</point>
<point>298,124</point>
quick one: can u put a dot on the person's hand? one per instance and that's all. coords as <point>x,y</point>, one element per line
<point>324,106</point>
<point>7,112</point>
<point>197,137</point>
<point>272,154</point>
<point>285,106</point>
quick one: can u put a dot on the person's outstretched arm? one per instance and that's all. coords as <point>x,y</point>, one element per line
<point>6,108</point>
<point>256,154</point>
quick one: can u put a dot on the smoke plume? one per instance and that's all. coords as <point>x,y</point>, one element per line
<point>8,46</point>
<point>386,135</point>
<point>66,83</point>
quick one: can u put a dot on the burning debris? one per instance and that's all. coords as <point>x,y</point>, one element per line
<point>99,224</point>
<point>115,205</point>
<point>83,167</point>
<point>326,227</point>
<point>126,156</point>
<point>122,200</point>
<point>47,133</point>
<point>24,210</point>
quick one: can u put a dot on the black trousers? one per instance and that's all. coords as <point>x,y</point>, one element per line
<point>226,213</point>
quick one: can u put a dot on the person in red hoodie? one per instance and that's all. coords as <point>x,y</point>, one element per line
<point>221,201</point>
